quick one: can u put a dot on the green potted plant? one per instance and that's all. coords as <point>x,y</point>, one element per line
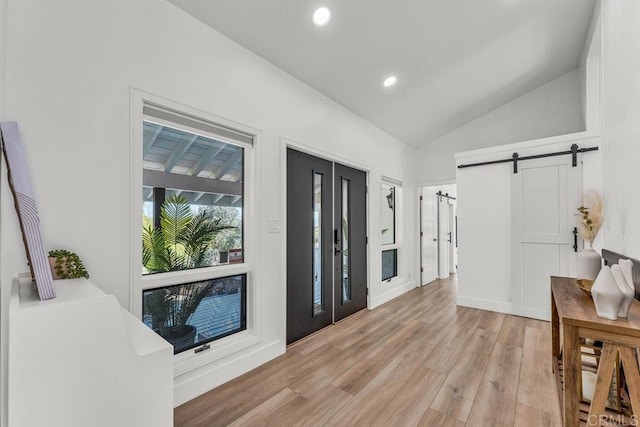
<point>183,241</point>
<point>170,309</point>
<point>66,265</point>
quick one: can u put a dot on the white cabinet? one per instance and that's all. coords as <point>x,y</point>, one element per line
<point>82,360</point>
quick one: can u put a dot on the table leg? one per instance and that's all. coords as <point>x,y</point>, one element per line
<point>572,376</point>
<point>555,333</point>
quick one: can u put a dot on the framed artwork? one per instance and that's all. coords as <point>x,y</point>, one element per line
<point>22,189</point>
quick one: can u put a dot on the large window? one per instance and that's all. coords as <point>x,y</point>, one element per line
<point>388,228</point>
<point>195,283</point>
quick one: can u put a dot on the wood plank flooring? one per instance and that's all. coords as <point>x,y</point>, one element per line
<point>418,360</point>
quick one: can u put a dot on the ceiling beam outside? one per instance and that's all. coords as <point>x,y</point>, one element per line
<point>151,140</point>
<point>209,200</point>
<point>179,151</point>
<point>204,160</point>
<point>229,164</point>
<point>152,178</point>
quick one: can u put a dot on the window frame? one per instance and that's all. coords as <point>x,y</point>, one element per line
<point>186,360</point>
<point>397,213</point>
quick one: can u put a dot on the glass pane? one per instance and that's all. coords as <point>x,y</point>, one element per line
<point>318,302</point>
<point>389,264</point>
<point>195,313</point>
<point>346,276</point>
<point>201,203</point>
<point>388,217</point>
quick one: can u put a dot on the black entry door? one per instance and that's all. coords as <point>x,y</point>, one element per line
<point>350,239</point>
<point>326,243</point>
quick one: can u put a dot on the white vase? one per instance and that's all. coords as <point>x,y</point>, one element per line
<point>588,264</point>
<point>625,288</point>
<point>606,294</point>
<point>627,269</point>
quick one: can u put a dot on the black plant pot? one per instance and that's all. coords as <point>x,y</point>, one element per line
<point>181,337</point>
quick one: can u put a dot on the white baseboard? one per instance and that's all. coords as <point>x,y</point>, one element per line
<point>392,293</point>
<point>194,383</point>
<point>485,304</point>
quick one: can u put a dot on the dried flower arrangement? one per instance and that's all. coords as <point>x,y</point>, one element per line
<point>591,217</point>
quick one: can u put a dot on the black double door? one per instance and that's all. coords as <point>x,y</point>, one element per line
<point>326,243</point>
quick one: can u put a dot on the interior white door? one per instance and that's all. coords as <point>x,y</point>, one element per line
<point>545,194</point>
<point>428,237</point>
<point>443,237</point>
<point>452,237</point>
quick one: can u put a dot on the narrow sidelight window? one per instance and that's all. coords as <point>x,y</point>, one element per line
<point>318,280</point>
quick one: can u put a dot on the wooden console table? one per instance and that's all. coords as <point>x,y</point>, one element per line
<point>576,313</point>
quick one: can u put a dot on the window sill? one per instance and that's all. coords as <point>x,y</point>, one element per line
<point>189,360</point>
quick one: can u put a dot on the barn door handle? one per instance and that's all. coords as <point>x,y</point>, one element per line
<point>575,239</point>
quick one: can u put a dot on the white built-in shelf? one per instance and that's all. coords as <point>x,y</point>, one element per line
<point>82,360</point>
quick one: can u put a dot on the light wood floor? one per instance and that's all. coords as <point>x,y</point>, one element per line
<point>417,360</point>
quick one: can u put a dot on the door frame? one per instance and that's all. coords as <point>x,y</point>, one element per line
<point>418,211</point>
<point>286,143</point>
<point>436,254</point>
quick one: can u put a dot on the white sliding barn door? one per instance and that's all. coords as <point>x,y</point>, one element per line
<point>545,194</point>
<point>428,236</point>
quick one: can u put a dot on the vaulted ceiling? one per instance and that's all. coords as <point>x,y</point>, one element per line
<point>455,60</point>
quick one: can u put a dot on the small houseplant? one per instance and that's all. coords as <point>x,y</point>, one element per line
<point>66,265</point>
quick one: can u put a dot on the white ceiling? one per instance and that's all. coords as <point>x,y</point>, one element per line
<point>455,59</point>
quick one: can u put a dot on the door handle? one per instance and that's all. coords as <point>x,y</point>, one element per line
<point>575,239</point>
<point>336,236</point>
<point>449,237</point>
<point>336,251</point>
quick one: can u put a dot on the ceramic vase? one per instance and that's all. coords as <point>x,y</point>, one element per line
<point>627,269</point>
<point>607,296</point>
<point>588,264</point>
<point>625,288</point>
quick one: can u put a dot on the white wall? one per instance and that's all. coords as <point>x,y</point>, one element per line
<point>621,125</point>
<point>484,216</point>
<point>590,75</point>
<point>71,67</point>
<point>3,297</point>
<point>549,110</point>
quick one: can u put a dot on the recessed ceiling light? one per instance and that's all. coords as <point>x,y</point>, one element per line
<point>389,81</point>
<point>321,16</point>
